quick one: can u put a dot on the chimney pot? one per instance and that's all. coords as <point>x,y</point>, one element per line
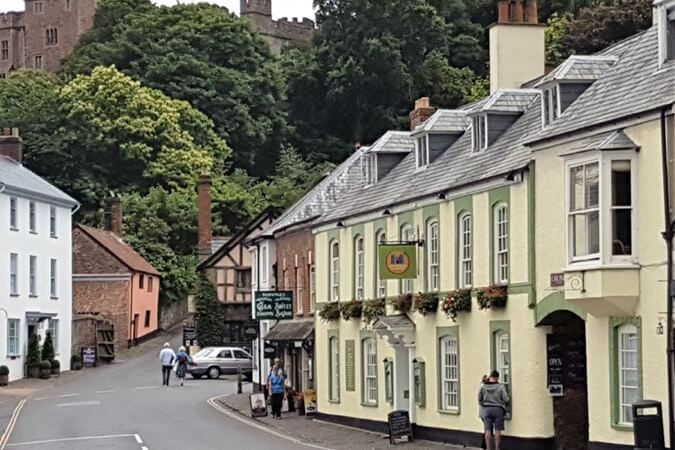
<point>532,12</point>
<point>503,12</point>
<point>113,216</point>
<point>204,220</point>
<point>11,144</point>
<point>517,13</point>
<point>423,110</point>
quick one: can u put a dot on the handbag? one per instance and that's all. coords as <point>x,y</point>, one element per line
<point>284,405</point>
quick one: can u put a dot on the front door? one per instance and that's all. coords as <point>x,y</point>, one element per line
<point>402,392</point>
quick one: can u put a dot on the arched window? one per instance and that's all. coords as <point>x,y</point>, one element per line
<point>369,352</point>
<point>503,357</point>
<point>433,257</point>
<point>334,345</point>
<point>358,268</point>
<point>335,271</point>
<point>450,373</point>
<point>629,373</point>
<point>500,243</point>
<point>465,251</point>
<point>381,284</point>
<point>406,236</point>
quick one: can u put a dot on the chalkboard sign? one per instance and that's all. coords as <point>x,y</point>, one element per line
<point>566,362</point>
<point>555,363</point>
<point>258,405</point>
<point>399,426</point>
<point>89,356</point>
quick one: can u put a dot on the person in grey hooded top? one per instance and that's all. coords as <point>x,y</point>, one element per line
<point>493,399</point>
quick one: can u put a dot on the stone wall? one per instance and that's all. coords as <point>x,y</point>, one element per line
<point>172,314</point>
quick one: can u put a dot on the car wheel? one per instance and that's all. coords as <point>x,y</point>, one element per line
<point>196,376</point>
<point>213,373</point>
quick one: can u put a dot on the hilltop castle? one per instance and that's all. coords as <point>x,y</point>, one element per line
<point>278,33</point>
<point>43,34</point>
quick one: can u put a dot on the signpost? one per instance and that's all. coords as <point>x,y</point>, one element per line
<point>399,426</point>
<point>397,261</point>
<point>274,305</point>
<point>89,356</point>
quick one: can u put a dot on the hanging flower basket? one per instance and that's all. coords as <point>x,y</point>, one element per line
<point>330,312</point>
<point>351,310</point>
<point>372,309</point>
<point>403,303</point>
<point>459,300</point>
<point>426,303</point>
<point>492,297</point>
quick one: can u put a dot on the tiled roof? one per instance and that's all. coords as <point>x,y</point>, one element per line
<point>120,249</point>
<point>292,330</point>
<point>444,121</point>
<point>18,178</point>
<point>393,142</point>
<point>508,101</point>
<point>613,140</point>
<point>633,85</point>
<point>580,68</point>
<point>396,322</point>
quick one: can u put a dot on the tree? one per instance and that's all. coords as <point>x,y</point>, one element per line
<point>33,358</point>
<point>209,317</point>
<point>201,54</point>
<point>48,352</point>
<point>555,33</point>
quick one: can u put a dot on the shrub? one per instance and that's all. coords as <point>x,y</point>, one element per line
<point>56,364</point>
<point>48,352</point>
<point>459,300</point>
<point>76,359</point>
<point>426,303</point>
<point>4,371</point>
<point>492,297</point>
<point>373,308</point>
<point>45,365</point>
<point>351,310</point>
<point>330,312</point>
<point>33,356</point>
<point>403,302</point>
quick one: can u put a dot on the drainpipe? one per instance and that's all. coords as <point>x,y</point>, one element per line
<point>260,341</point>
<point>668,236</point>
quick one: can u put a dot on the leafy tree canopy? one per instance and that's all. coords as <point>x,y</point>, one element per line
<point>209,317</point>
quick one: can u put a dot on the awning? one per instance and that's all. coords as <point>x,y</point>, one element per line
<point>36,317</point>
<point>398,329</point>
<point>292,330</point>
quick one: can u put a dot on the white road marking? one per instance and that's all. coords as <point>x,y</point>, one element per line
<point>92,403</point>
<point>40,398</point>
<point>138,438</point>
<point>10,426</point>
<point>145,388</point>
<point>67,395</point>
<point>82,438</point>
<point>105,392</point>
<point>144,448</point>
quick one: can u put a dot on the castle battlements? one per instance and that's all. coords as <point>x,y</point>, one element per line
<point>11,19</point>
<point>278,33</point>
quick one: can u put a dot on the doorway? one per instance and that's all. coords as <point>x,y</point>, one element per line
<point>401,378</point>
<point>567,347</point>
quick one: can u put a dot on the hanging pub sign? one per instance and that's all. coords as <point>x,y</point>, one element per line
<point>274,305</point>
<point>397,261</point>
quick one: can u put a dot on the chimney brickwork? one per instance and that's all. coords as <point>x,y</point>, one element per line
<point>113,215</point>
<point>204,221</point>
<point>11,144</point>
<point>422,112</point>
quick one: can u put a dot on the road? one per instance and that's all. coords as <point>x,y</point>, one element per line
<point>123,406</point>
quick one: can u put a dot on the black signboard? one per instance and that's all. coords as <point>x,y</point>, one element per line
<point>270,351</point>
<point>566,362</point>
<point>399,426</point>
<point>274,305</point>
<point>575,361</point>
<point>89,356</point>
<point>251,331</point>
<point>189,336</point>
<point>555,364</point>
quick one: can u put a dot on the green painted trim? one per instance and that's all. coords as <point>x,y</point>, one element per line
<point>505,326</point>
<point>556,302</point>
<point>420,400</point>
<point>520,288</point>
<point>365,335</point>
<point>531,243</point>
<point>431,211</point>
<point>498,196</point>
<point>407,217</point>
<point>357,229</point>
<point>441,333</point>
<point>380,225</point>
<point>350,385</point>
<point>614,324</point>
<point>333,333</point>
<point>462,205</point>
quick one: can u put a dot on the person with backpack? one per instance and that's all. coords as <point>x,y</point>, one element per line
<point>493,400</point>
<point>182,361</point>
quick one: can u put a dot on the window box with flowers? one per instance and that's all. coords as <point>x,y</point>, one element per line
<point>330,312</point>
<point>372,309</point>
<point>456,301</point>
<point>492,297</point>
<point>402,303</point>
<point>426,303</point>
<point>351,310</point>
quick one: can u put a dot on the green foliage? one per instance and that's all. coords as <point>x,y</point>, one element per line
<point>48,352</point>
<point>201,54</point>
<point>555,33</point>
<point>4,371</point>
<point>45,365</point>
<point>56,364</point>
<point>33,356</point>
<point>210,315</point>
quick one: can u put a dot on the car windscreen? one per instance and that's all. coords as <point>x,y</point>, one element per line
<point>203,353</point>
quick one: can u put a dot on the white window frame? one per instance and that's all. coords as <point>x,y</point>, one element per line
<point>32,275</point>
<point>15,336</point>
<point>500,243</point>
<point>53,285</point>
<point>369,350</point>
<point>503,357</point>
<point>465,230</point>
<point>334,271</point>
<point>264,272</point>
<point>54,327</point>
<point>334,347</point>
<point>604,255</point>
<point>359,267</point>
<point>53,226</point>
<point>300,290</point>
<point>550,104</point>
<point>422,154</point>
<point>433,256</point>
<point>407,285</point>
<point>369,169</point>
<point>14,274</point>
<point>32,217</point>
<point>312,287</point>
<point>13,214</point>
<point>479,133</point>
<point>450,373</point>
<point>380,285</point>
<point>624,407</point>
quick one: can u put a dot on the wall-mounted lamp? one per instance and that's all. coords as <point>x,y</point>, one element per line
<point>442,196</point>
<point>386,212</point>
<point>341,224</point>
<point>659,327</point>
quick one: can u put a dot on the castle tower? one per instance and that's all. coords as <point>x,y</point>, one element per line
<point>256,7</point>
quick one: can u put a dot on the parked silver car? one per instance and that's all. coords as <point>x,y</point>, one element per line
<point>216,361</point>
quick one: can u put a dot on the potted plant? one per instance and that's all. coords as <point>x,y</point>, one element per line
<point>300,403</point>
<point>76,362</point>
<point>330,311</point>
<point>351,310</point>
<point>454,302</point>
<point>426,302</point>
<point>492,297</point>
<point>48,352</point>
<point>4,375</point>
<point>45,369</point>
<point>373,308</point>
<point>33,357</point>
<point>403,303</point>
<point>56,367</point>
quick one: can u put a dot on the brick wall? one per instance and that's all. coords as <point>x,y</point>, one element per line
<point>109,299</point>
<point>90,258</point>
<point>296,245</point>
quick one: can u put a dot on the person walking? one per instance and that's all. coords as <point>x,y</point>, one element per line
<point>166,357</point>
<point>493,399</point>
<point>277,389</point>
<point>483,444</point>
<point>182,361</point>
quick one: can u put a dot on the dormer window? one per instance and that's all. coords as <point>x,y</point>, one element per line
<point>369,169</point>
<point>550,104</point>
<point>665,17</point>
<point>479,133</point>
<point>422,151</point>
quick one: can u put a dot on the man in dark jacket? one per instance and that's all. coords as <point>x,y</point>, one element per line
<point>493,400</point>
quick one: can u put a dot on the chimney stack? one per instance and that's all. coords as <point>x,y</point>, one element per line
<point>422,112</point>
<point>11,144</point>
<point>113,215</point>
<point>205,234</point>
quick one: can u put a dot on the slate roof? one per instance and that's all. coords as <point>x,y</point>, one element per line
<point>293,330</point>
<point>444,121</point>
<point>395,322</point>
<point>580,68</point>
<point>613,140</point>
<point>393,142</point>
<point>633,85</point>
<point>506,100</point>
<point>19,179</point>
<point>119,249</point>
